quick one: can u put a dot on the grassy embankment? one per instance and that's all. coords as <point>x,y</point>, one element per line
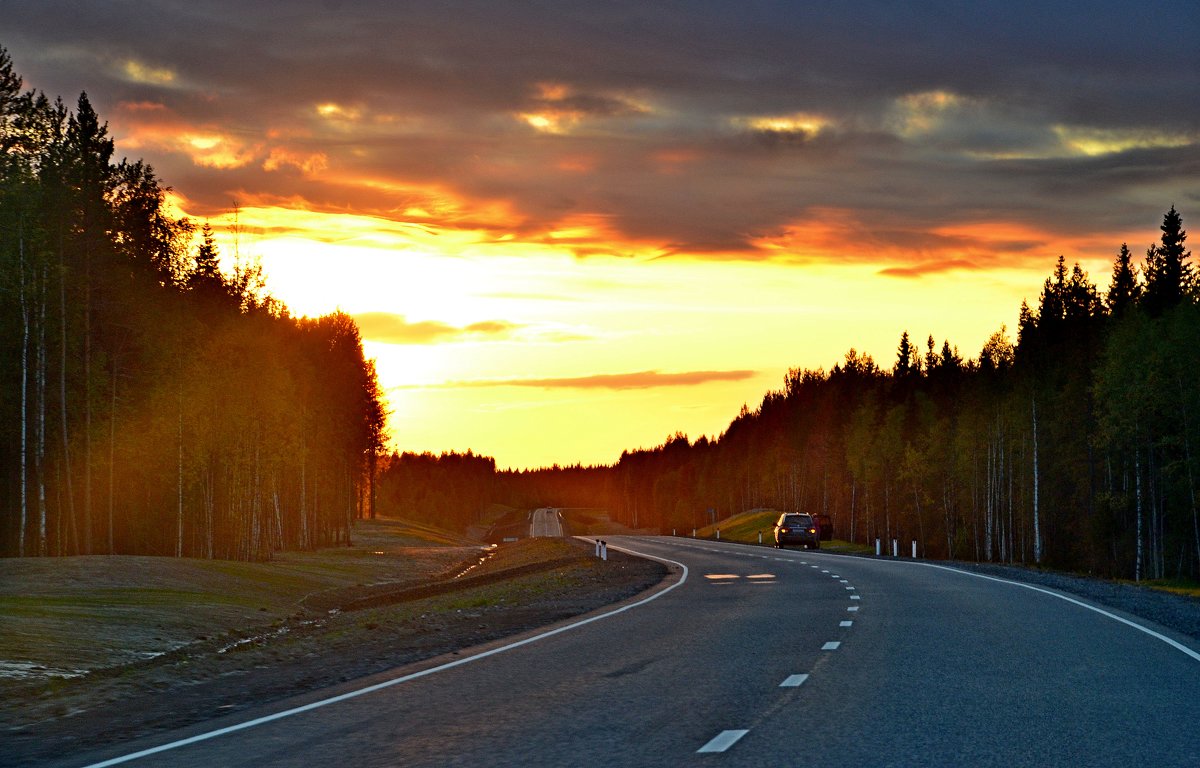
<point>61,617</point>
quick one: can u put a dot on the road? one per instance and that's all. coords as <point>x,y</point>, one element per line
<point>762,657</point>
<point>545,522</point>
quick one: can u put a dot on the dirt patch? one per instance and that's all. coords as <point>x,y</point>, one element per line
<point>329,636</point>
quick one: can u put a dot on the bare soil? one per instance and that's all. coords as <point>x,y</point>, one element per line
<point>106,672</point>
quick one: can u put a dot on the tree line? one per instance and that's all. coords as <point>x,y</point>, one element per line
<point>152,403</point>
<point>1073,446</point>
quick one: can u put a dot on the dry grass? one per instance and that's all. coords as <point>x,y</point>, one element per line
<point>60,617</point>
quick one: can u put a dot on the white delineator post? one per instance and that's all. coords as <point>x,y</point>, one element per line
<point>718,534</point>
<point>760,537</point>
<point>604,550</point>
<point>914,550</point>
<point>895,547</point>
<point>597,547</point>
<point>877,549</point>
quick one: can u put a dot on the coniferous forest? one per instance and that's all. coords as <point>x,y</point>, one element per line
<point>152,403</point>
<point>1072,446</point>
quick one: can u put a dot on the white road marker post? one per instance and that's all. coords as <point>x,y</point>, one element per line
<point>760,538</point>
<point>877,547</point>
<point>604,550</point>
<point>597,547</point>
<point>895,547</point>
<point>914,550</point>
<point>718,534</point>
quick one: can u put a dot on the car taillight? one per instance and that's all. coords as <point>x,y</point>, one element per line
<point>812,530</point>
<point>783,530</point>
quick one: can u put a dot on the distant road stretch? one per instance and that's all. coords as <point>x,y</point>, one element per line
<point>759,657</point>
<point>545,522</point>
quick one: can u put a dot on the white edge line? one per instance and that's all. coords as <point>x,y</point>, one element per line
<point>404,678</point>
<point>1174,644</point>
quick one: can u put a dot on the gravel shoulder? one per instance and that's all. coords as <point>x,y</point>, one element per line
<point>330,636</point>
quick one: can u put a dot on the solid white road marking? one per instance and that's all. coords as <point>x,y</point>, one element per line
<point>404,678</point>
<point>723,741</point>
<point>793,681</point>
<point>845,623</point>
<point>832,645</point>
<point>1176,645</point>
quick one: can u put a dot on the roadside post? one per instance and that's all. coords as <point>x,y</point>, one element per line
<point>718,534</point>
<point>877,546</point>
<point>597,547</point>
<point>895,547</point>
<point>914,550</point>
<point>604,550</point>
<point>760,538</point>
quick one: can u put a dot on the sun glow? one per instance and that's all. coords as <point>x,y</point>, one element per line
<point>464,326</point>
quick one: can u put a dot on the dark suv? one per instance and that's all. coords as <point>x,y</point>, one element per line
<point>797,528</point>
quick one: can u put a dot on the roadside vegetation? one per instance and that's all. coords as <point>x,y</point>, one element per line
<point>154,399</point>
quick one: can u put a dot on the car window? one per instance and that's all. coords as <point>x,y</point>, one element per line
<point>797,520</point>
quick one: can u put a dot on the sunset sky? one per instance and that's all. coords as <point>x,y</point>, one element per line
<point>571,228</point>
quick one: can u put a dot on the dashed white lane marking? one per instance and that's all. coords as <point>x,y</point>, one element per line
<point>814,566</point>
<point>781,559</point>
<point>845,623</point>
<point>845,581</point>
<point>824,571</point>
<point>852,608</point>
<point>722,741</point>
<point>832,645</point>
<point>850,588</point>
<point>793,681</point>
<point>835,576</point>
<point>855,597</point>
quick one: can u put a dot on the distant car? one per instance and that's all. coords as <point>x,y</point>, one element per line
<point>797,528</point>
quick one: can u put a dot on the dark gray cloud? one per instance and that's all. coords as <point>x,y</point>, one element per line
<point>1075,119</point>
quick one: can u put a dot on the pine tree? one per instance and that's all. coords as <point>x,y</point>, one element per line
<point>1125,290</point>
<point>1168,273</point>
<point>906,353</point>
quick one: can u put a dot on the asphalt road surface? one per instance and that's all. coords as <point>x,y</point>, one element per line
<point>760,657</point>
<point>545,522</point>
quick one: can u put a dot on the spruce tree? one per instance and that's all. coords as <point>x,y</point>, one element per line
<point>1125,290</point>
<point>1168,273</point>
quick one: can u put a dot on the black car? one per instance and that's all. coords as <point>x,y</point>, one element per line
<point>797,528</point>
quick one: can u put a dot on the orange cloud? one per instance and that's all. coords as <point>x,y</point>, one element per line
<point>637,380</point>
<point>388,328</point>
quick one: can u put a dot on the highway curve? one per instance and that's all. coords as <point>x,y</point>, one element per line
<point>762,657</point>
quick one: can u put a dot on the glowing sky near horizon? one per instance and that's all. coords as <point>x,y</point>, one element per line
<point>577,229</point>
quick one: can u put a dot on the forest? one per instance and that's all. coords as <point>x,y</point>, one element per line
<point>1072,446</point>
<point>151,402</point>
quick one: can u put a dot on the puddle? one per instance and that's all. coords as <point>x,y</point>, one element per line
<point>487,553</point>
<point>27,670</point>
